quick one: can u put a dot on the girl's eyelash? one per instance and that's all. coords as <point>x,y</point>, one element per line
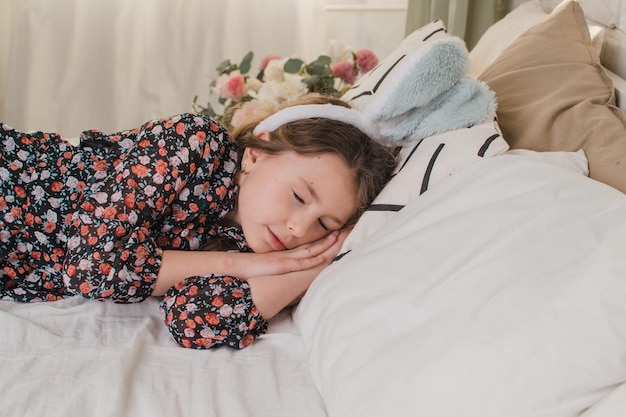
<point>322,224</point>
<point>297,197</point>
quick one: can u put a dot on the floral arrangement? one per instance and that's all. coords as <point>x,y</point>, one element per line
<point>281,81</point>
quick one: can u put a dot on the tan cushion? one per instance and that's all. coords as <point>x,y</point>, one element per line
<point>553,95</point>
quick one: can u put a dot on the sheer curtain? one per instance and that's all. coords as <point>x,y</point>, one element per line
<point>467,19</point>
<point>71,65</point>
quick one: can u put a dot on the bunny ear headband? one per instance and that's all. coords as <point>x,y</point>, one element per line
<point>313,111</point>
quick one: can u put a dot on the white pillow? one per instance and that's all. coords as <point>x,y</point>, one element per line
<point>574,161</point>
<point>500,292</point>
<point>422,166</point>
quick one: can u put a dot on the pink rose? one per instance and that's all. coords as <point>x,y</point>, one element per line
<point>266,61</point>
<point>344,70</point>
<point>231,86</point>
<point>365,60</point>
<point>247,110</point>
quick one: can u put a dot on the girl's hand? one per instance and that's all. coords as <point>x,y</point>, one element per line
<point>272,293</point>
<point>301,258</point>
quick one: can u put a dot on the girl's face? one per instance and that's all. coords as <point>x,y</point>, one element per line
<point>289,199</point>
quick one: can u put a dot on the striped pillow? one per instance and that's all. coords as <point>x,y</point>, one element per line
<point>424,164</point>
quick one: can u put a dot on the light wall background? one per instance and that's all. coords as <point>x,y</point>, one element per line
<point>71,65</point>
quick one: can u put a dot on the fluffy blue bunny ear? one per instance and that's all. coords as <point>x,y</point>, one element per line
<point>421,88</point>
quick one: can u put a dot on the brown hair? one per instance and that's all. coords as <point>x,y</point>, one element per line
<point>372,162</point>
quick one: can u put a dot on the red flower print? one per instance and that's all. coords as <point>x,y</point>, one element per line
<point>193,291</point>
<point>107,293</point>
<point>161,167</point>
<point>56,186</point>
<point>92,240</point>
<point>238,293</point>
<point>203,341</point>
<point>139,170</point>
<point>85,287</point>
<point>20,191</point>
<point>190,324</point>
<point>180,215</point>
<point>169,123</point>
<point>159,203</point>
<point>131,182</point>
<point>201,136</point>
<point>221,191</point>
<point>212,319</point>
<point>49,227</point>
<point>102,230</point>
<point>180,128</point>
<point>246,341</point>
<point>180,300</point>
<point>100,165</point>
<point>218,301</point>
<point>194,208</point>
<point>87,206</point>
<point>144,143</point>
<point>105,268</point>
<point>109,213</point>
<point>142,252</point>
<point>129,200</point>
<point>16,212</point>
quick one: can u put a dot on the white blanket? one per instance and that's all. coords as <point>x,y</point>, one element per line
<point>78,358</point>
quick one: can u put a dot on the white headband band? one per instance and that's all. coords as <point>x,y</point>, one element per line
<point>312,111</point>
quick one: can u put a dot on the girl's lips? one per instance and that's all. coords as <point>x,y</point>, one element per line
<point>275,242</point>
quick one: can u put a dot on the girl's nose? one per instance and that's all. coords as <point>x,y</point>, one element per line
<point>299,225</point>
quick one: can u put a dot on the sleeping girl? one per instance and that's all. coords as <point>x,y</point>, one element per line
<point>228,228</point>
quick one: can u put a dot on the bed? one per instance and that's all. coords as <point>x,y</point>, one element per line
<point>487,283</point>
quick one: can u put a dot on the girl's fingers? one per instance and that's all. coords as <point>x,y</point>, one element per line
<point>315,248</point>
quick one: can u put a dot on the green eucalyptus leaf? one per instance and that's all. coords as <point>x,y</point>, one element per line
<point>293,65</point>
<point>246,63</point>
<point>324,60</point>
<point>326,85</point>
<point>223,67</point>
<point>311,81</point>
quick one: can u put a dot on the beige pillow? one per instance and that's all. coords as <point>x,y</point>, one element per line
<point>554,95</point>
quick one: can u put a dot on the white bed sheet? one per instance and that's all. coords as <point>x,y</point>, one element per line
<point>77,358</point>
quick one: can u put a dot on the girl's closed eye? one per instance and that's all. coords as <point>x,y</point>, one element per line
<point>323,225</point>
<point>297,197</point>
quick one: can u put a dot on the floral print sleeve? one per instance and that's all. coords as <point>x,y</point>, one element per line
<point>210,311</point>
<point>170,179</point>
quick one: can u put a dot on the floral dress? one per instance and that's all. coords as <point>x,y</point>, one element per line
<point>94,221</point>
